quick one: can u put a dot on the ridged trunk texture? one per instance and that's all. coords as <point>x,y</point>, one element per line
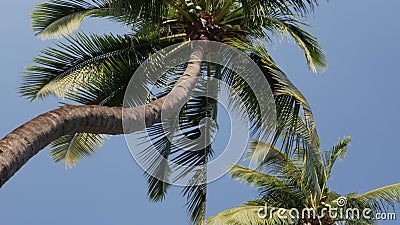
<point>27,140</point>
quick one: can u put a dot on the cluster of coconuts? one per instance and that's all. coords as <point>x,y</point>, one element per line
<point>193,9</point>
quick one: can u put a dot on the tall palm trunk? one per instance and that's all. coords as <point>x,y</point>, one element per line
<point>27,140</point>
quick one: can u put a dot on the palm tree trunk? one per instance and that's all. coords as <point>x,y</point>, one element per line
<point>27,140</point>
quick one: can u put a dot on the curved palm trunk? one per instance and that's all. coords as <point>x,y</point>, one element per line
<point>27,140</point>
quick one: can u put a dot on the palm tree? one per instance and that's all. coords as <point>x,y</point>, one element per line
<point>297,186</point>
<point>93,72</point>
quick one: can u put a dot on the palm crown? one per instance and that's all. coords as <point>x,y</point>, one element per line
<point>95,69</point>
<point>295,182</point>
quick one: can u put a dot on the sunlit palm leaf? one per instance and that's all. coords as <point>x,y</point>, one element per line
<point>71,148</point>
<point>57,18</point>
<point>292,171</point>
<point>196,194</point>
<point>157,166</point>
<point>263,182</point>
<point>381,198</point>
<point>81,58</point>
<point>337,151</point>
<point>251,215</point>
<point>183,151</point>
<point>289,101</point>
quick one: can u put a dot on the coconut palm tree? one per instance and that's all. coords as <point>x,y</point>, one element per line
<point>92,72</point>
<point>297,186</point>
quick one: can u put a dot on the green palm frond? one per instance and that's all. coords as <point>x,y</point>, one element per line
<point>195,192</point>
<point>150,12</point>
<point>270,23</point>
<point>293,130</point>
<point>71,148</point>
<point>286,7</point>
<point>193,112</point>
<point>337,151</point>
<point>279,82</point>
<point>57,18</point>
<point>265,183</point>
<point>292,171</point>
<point>314,55</point>
<point>381,198</point>
<point>243,99</point>
<point>295,127</point>
<point>182,151</point>
<point>251,215</point>
<point>81,58</point>
<point>106,91</point>
<point>157,165</point>
<point>237,215</point>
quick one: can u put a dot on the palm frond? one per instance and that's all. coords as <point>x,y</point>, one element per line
<point>295,127</point>
<point>254,215</point>
<point>337,151</point>
<point>289,100</point>
<point>196,190</point>
<point>285,7</point>
<point>150,12</point>
<point>71,148</point>
<point>236,215</point>
<point>382,198</point>
<point>58,70</point>
<point>291,171</point>
<point>157,165</point>
<point>265,183</point>
<point>272,21</point>
<point>57,18</point>
<point>279,25</point>
<point>314,55</point>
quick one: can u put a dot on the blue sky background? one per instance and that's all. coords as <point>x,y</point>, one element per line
<point>357,96</point>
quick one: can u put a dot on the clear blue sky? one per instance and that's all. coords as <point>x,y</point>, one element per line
<point>356,96</point>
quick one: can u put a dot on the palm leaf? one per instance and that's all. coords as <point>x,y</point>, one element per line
<point>337,151</point>
<point>250,215</point>
<point>71,148</point>
<point>196,194</point>
<point>58,70</point>
<point>157,166</point>
<point>291,171</point>
<point>150,12</point>
<point>285,7</point>
<point>312,51</point>
<point>265,183</point>
<point>279,25</point>
<point>289,101</point>
<point>381,198</point>
<point>58,18</point>
<point>184,151</point>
